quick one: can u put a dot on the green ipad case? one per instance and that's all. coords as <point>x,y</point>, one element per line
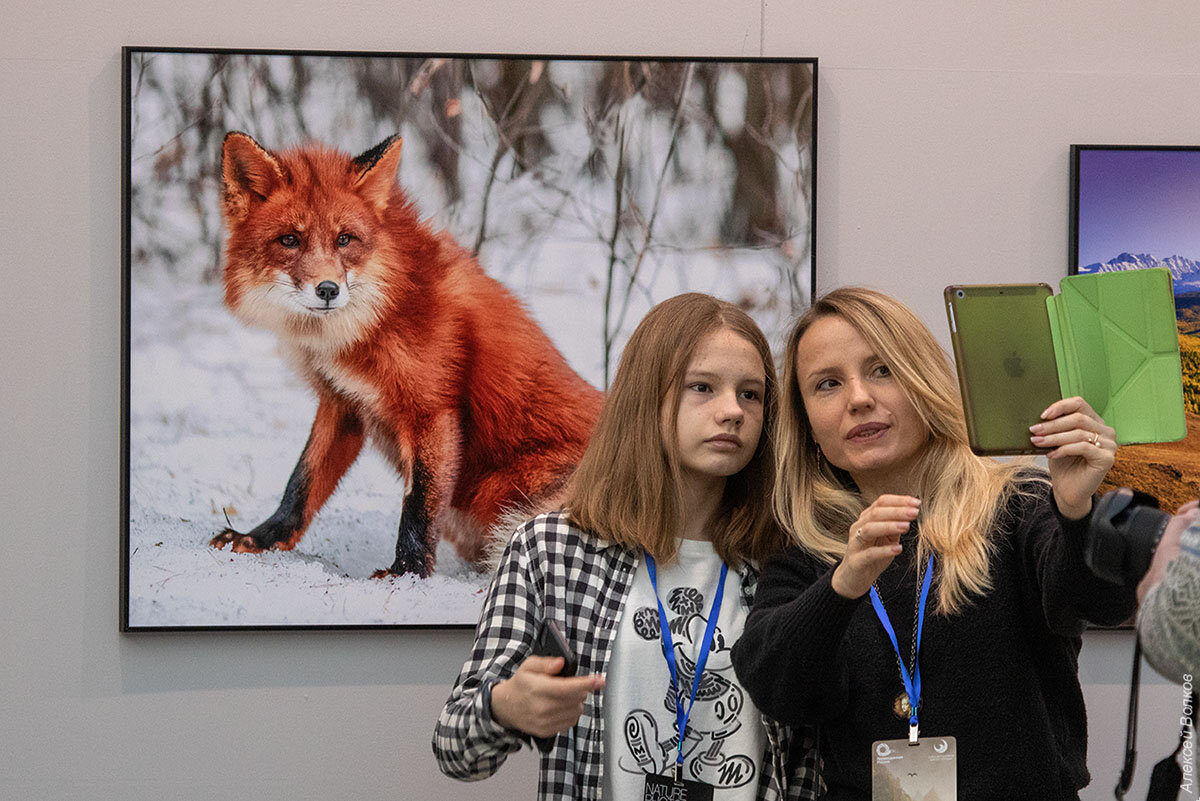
<point>1116,344</point>
<point>1108,337</point>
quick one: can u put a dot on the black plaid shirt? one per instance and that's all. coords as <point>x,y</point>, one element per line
<point>552,569</point>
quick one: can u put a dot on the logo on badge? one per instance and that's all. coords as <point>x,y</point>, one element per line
<point>883,749</point>
<point>940,747</point>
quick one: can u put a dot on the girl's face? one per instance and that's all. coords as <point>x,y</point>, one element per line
<point>858,414</point>
<point>720,413</point>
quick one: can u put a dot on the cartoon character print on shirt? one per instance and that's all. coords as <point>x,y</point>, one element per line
<point>715,714</point>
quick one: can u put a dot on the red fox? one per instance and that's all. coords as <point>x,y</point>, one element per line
<point>405,340</point>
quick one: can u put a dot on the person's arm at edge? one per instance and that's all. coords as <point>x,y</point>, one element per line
<point>1167,621</point>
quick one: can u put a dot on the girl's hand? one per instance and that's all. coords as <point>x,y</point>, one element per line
<point>537,701</point>
<point>1168,547</point>
<point>873,543</point>
<point>1083,451</point>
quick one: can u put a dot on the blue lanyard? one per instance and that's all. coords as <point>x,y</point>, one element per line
<point>912,684</point>
<point>668,646</point>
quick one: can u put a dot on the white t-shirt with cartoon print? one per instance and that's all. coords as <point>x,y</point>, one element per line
<point>726,741</point>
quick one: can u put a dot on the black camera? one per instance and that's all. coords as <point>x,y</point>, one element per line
<point>1125,528</point>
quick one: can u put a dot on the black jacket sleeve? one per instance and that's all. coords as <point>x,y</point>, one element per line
<point>791,655</point>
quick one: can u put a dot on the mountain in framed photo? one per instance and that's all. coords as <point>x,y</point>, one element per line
<point>1135,207</point>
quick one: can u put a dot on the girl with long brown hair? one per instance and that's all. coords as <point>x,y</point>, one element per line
<point>648,570</point>
<point>898,529</point>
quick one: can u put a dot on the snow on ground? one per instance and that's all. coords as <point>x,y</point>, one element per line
<point>217,422</point>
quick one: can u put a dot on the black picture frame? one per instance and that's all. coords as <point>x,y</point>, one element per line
<point>209,408</point>
<point>1135,207</point>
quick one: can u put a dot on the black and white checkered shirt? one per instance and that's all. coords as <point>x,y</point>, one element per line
<point>551,569</point>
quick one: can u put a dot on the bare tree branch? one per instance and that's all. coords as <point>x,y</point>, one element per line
<point>662,175</point>
<point>618,193</point>
<point>501,149</point>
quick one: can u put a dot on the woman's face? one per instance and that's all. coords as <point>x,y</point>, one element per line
<point>858,413</point>
<point>720,414</point>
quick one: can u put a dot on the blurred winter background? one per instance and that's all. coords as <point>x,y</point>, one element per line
<point>591,189</point>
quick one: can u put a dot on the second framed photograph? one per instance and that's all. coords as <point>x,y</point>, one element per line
<point>1135,207</point>
<point>373,301</point>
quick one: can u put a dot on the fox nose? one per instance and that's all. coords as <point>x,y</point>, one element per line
<point>327,290</point>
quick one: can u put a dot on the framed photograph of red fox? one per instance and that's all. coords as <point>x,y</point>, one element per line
<point>1135,207</point>
<point>372,302</point>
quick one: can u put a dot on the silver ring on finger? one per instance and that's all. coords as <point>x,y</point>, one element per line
<point>1096,439</point>
<point>858,534</point>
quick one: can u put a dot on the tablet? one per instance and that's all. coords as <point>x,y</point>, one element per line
<point>1004,354</point>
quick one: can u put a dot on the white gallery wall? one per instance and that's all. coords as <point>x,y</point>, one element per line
<point>943,134</point>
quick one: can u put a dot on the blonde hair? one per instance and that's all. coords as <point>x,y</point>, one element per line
<point>628,486</point>
<point>962,494</point>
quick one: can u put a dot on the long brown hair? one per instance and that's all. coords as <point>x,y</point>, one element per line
<point>628,487</point>
<point>962,494</point>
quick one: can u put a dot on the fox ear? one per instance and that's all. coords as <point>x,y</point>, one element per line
<point>377,172</point>
<point>248,172</point>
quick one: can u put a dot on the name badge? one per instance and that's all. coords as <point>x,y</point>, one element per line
<point>928,769</point>
<point>667,788</point>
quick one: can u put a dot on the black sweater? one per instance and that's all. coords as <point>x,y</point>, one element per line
<point>1000,676</point>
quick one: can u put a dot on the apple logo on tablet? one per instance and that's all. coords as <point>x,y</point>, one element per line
<point>1013,366</point>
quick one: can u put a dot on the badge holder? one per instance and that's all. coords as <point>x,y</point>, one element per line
<point>929,767</point>
<point>913,766</point>
<point>675,788</point>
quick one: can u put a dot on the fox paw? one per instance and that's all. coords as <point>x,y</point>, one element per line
<point>401,567</point>
<point>387,573</point>
<point>240,543</point>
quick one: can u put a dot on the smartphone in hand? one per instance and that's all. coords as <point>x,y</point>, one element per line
<point>551,642</point>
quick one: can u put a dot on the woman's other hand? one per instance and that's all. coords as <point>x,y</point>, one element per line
<point>874,541</point>
<point>1083,451</point>
<point>537,701</point>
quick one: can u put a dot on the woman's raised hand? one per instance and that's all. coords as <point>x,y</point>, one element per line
<point>1084,450</point>
<point>873,543</point>
<point>537,701</point>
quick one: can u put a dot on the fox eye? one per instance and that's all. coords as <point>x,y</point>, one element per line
<point>345,239</point>
<point>289,241</point>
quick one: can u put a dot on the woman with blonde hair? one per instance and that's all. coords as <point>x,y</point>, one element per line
<point>930,595</point>
<point>648,571</point>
